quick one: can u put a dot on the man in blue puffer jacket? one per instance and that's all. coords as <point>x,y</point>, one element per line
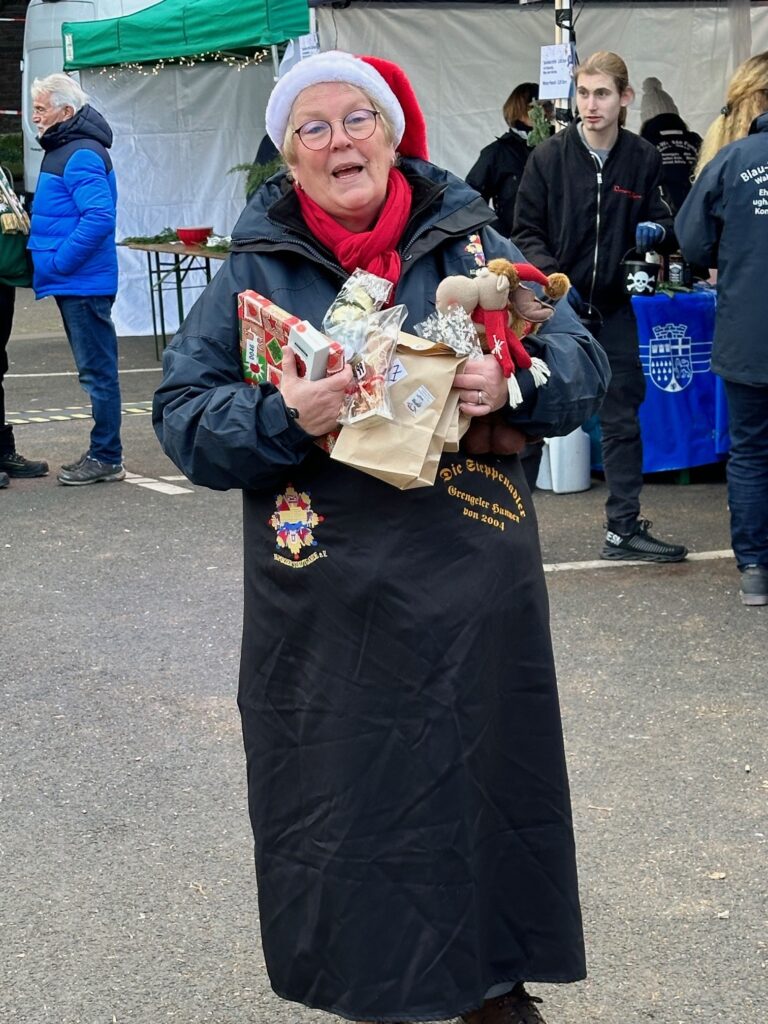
<point>72,241</point>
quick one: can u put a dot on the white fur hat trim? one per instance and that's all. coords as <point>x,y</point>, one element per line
<point>331,66</point>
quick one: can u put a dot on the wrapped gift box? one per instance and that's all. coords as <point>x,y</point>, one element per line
<point>265,329</point>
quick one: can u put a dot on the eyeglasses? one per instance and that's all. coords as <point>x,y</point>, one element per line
<point>358,125</point>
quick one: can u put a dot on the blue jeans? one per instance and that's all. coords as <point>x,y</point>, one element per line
<point>91,335</point>
<point>747,472</point>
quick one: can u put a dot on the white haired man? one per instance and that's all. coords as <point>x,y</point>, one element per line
<point>72,241</point>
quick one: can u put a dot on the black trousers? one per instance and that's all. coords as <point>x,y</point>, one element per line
<point>7,301</point>
<point>622,444</point>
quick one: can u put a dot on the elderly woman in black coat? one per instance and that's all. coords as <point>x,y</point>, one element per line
<point>406,776</point>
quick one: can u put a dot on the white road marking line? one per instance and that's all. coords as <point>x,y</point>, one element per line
<point>156,485</point>
<point>179,477</point>
<point>73,373</point>
<point>705,556</point>
<point>601,563</point>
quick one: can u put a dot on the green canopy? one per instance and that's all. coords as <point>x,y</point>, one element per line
<point>183,28</point>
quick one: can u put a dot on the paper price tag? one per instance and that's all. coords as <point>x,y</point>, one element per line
<point>419,401</point>
<point>396,372</point>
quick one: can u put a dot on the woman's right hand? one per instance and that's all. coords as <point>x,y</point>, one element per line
<point>318,401</point>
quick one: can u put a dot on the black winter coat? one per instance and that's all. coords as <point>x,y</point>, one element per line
<point>275,254</point>
<point>679,151</point>
<point>406,776</point>
<point>574,216</point>
<point>724,224</point>
<point>496,176</point>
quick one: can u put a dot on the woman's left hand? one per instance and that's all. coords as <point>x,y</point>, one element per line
<point>482,387</point>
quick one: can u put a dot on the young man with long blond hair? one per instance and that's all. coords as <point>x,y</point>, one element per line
<point>588,196</point>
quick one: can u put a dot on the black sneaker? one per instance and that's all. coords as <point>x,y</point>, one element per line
<point>754,585</point>
<point>69,466</point>
<point>91,471</point>
<point>4,480</point>
<point>640,546</point>
<point>16,465</point>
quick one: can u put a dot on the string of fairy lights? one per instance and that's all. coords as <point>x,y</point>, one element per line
<point>230,60</point>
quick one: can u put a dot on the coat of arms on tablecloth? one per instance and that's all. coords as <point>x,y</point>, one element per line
<point>293,520</point>
<point>670,359</point>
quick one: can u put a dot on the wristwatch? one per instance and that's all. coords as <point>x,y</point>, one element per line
<point>292,412</point>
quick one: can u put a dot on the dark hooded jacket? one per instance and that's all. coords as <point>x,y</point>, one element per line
<point>496,176</point>
<point>724,224</point>
<point>577,217</point>
<point>679,151</point>
<point>406,776</point>
<point>72,236</point>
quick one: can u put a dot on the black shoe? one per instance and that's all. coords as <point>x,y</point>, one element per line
<point>640,546</point>
<point>4,480</point>
<point>754,585</point>
<point>91,471</point>
<point>515,1007</point>
<point>16,465</point>
<point>69,466</point>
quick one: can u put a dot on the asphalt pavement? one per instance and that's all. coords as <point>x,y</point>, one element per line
<point>126,877</point>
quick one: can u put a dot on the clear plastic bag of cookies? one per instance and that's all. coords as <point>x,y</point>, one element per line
<point>361,295</point>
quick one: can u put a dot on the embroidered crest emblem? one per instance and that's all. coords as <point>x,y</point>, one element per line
<point>293,521</point>
<point>670,358</point>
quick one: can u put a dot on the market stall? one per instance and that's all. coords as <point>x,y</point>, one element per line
<point>478,51</point>
<point>684,419</point>
<point>184,85</point>
<point>176,269</point>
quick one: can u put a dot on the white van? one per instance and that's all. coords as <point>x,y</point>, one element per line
<point>43,54</point>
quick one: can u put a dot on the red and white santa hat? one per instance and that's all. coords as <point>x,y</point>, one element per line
<point>383,81</point>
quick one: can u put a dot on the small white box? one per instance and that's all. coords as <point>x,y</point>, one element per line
<point>311,348</point>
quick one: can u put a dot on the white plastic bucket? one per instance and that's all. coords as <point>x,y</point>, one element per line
<point>544,479</point>
<point>565,464</point>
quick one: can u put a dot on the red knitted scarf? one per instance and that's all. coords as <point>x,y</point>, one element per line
<point>373,250</point>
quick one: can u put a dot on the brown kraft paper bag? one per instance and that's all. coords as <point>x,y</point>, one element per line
<point>460,424</point>
<point>405,451</point>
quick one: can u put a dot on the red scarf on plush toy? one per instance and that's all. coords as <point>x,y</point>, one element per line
<point>374,250</point>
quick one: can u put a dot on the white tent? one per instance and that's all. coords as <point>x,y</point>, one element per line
<point>177,134</point>
<point>465,58</point>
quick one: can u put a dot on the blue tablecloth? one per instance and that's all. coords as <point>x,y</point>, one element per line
<point>684,417</point>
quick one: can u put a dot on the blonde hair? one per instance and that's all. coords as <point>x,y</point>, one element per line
<point>288,149</point>
<point>518,102</point>
<point>745,98</point>
<point>63,91</point>
<point>605,62</point>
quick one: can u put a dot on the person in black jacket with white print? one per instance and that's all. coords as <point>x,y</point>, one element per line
<point>662,126</point>
<point>588,196</point>
<point>724,224</point>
